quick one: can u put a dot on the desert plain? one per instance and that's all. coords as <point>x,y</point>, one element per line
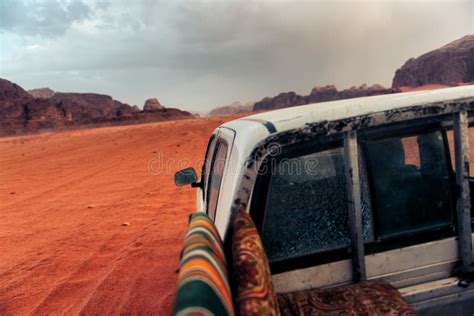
<point>91,221</point>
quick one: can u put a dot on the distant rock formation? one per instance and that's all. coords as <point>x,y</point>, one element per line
<point>197,113</point>
<point>449,65</point>
<point>41,93</point>
<point>330,93</point>
<point>86,108</point>
<point>319,94</point>
<point>21,113</point>
<point>283,100</point>
<point>233,108</point>
<point>11,92</point>
<point>152,104</point>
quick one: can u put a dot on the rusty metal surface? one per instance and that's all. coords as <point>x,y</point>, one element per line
<point>463,201</point>
<point>351,158</point>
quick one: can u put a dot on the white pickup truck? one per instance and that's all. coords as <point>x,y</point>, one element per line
<point>353,190</point>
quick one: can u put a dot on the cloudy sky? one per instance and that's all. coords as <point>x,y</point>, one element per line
<point>198,55</point>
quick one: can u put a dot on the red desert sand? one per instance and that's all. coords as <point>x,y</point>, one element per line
<point>91,221</point>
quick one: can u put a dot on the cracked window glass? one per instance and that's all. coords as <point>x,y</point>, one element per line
<point>306,209</point>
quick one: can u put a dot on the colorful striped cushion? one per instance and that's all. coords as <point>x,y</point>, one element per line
<point>203,285</point>
<point>255,292</point>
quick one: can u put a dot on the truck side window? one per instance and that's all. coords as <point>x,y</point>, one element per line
<point>306,210</point>
<point>215,178</point>
<point>411,184</point>
<point>207,163</point>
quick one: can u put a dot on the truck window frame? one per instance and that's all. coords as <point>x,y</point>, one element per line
<point>258,205</point>
<point>261,189</point>
<point>413,238</point>
<point>219,142</point>
<point>206,164</point>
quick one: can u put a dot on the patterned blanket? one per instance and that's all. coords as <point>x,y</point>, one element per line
<point>365,298</point>
<point>203,284</point>
<point>255,294</point>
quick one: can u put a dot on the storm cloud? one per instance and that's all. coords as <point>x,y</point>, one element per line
<point>46,18</point>
<point>198,55</point>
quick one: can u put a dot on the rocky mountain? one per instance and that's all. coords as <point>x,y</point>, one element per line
<point>319,94</point>
<point>152,104</point>
<point>41,93</point>
<point>283,100</point>
<point>233,108</point>
<point>450,65</point>
<point>21,113</point>
<point>86,108</point>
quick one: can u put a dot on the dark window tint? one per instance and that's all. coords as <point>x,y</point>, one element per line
<point>306,210</point>
<point>207,162</point>
<point>215,178</point>
<point>411,183</point>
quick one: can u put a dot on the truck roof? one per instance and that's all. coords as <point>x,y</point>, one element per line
<point>295,117</point>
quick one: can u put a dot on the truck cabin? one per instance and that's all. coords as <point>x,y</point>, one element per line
<point>342,192</point>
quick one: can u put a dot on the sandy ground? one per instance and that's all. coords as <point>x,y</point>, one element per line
<point>64,200</point>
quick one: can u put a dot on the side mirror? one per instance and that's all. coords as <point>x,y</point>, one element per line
<point>185,177</point>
